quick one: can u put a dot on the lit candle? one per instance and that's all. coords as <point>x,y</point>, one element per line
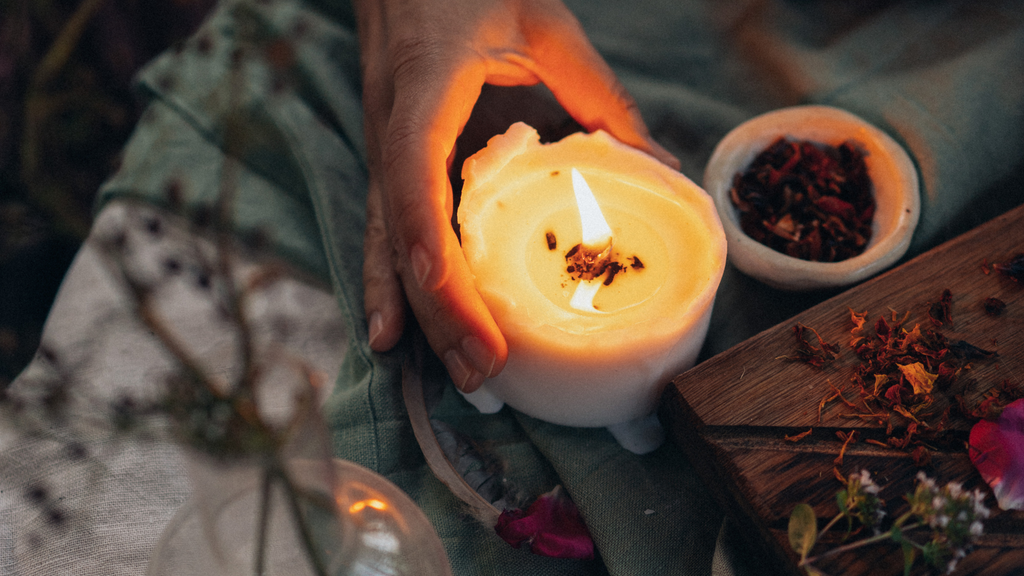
<point>599,265</point>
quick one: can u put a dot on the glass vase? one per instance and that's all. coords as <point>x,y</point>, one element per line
<point>305,518</point>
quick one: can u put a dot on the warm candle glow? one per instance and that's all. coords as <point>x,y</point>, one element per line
<point>597,238</point>
<point>602,298</point>
<point>596,233</point>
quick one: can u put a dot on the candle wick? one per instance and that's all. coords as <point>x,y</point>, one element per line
<point>588,266</point>
<point>589,263</point>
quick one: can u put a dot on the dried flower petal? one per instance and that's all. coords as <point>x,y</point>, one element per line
<point>993,306</point>
<point>807,352</point>
<point>551,526</point>
<point>807,200</point>
<point>918,377</point>
<point>1013,269</point>
<point>940,312</point>
<point>798,437</point>
<point>997,451</point>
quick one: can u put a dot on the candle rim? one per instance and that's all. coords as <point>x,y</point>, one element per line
<point>645,171</point>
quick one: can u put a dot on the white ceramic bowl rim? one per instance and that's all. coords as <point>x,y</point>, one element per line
<point>892,172</point>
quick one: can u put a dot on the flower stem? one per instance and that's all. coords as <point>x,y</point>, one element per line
<point>266,483</point>
<point>830,524</point>
<point>305,536</point>
<point>854,545</point>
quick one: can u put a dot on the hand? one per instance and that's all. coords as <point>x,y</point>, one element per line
<point>424,64</point>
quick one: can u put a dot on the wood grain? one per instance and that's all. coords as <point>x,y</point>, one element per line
<point>731,413</point>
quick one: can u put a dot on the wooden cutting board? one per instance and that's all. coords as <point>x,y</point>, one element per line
<point>731,413</point>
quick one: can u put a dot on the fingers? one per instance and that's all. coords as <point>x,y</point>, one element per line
<point>415,106</point>
<point>459,327</point>
<point>585,85</point>
<point>383,297</point>
<point>425,121</point>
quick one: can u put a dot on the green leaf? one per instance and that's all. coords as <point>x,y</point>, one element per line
<point>841,501</point>
<point>897,535</point>
<point>909,556</point>
<point>932,553</point>
<point>803,529</point>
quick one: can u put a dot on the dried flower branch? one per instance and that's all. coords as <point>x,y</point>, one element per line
<point>951,518</point>
<point>219,414</point>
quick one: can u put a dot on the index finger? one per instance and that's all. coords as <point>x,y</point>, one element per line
<point>586,86</point>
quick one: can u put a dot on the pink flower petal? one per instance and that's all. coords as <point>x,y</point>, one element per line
<point>551,526</point>
<point>997,451</point>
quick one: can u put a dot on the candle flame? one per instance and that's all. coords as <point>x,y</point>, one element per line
<point>596,233</point>
<point>597,238</point>
<point>583,298</point>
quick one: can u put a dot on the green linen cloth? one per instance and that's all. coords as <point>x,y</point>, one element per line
<point>264,100</point>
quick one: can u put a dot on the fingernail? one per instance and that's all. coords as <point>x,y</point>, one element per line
<point>421,264</point>
<point>479,355</point>
<point>376,326</point>
<point>462,373</point>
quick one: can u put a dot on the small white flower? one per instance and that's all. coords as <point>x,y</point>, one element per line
<point>955,489</point>
<point>976,528</point>
<point>977,499</point>
<point>866,483</point>
<point>942,520</point>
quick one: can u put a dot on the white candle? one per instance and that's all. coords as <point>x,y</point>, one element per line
<point>519,216</point>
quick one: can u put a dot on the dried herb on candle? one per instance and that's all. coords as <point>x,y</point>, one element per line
<point>552,242</point>
<point>1013,269</point>
<point>584,264</point>
<point>613,268</point>
<point>807,200</point>
<point>993,306</point>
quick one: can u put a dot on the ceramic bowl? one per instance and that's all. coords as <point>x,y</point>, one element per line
<point>889,167</point>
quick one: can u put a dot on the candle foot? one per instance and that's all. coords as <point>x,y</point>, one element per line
<point>639,436</point>
<point>484,400</point>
